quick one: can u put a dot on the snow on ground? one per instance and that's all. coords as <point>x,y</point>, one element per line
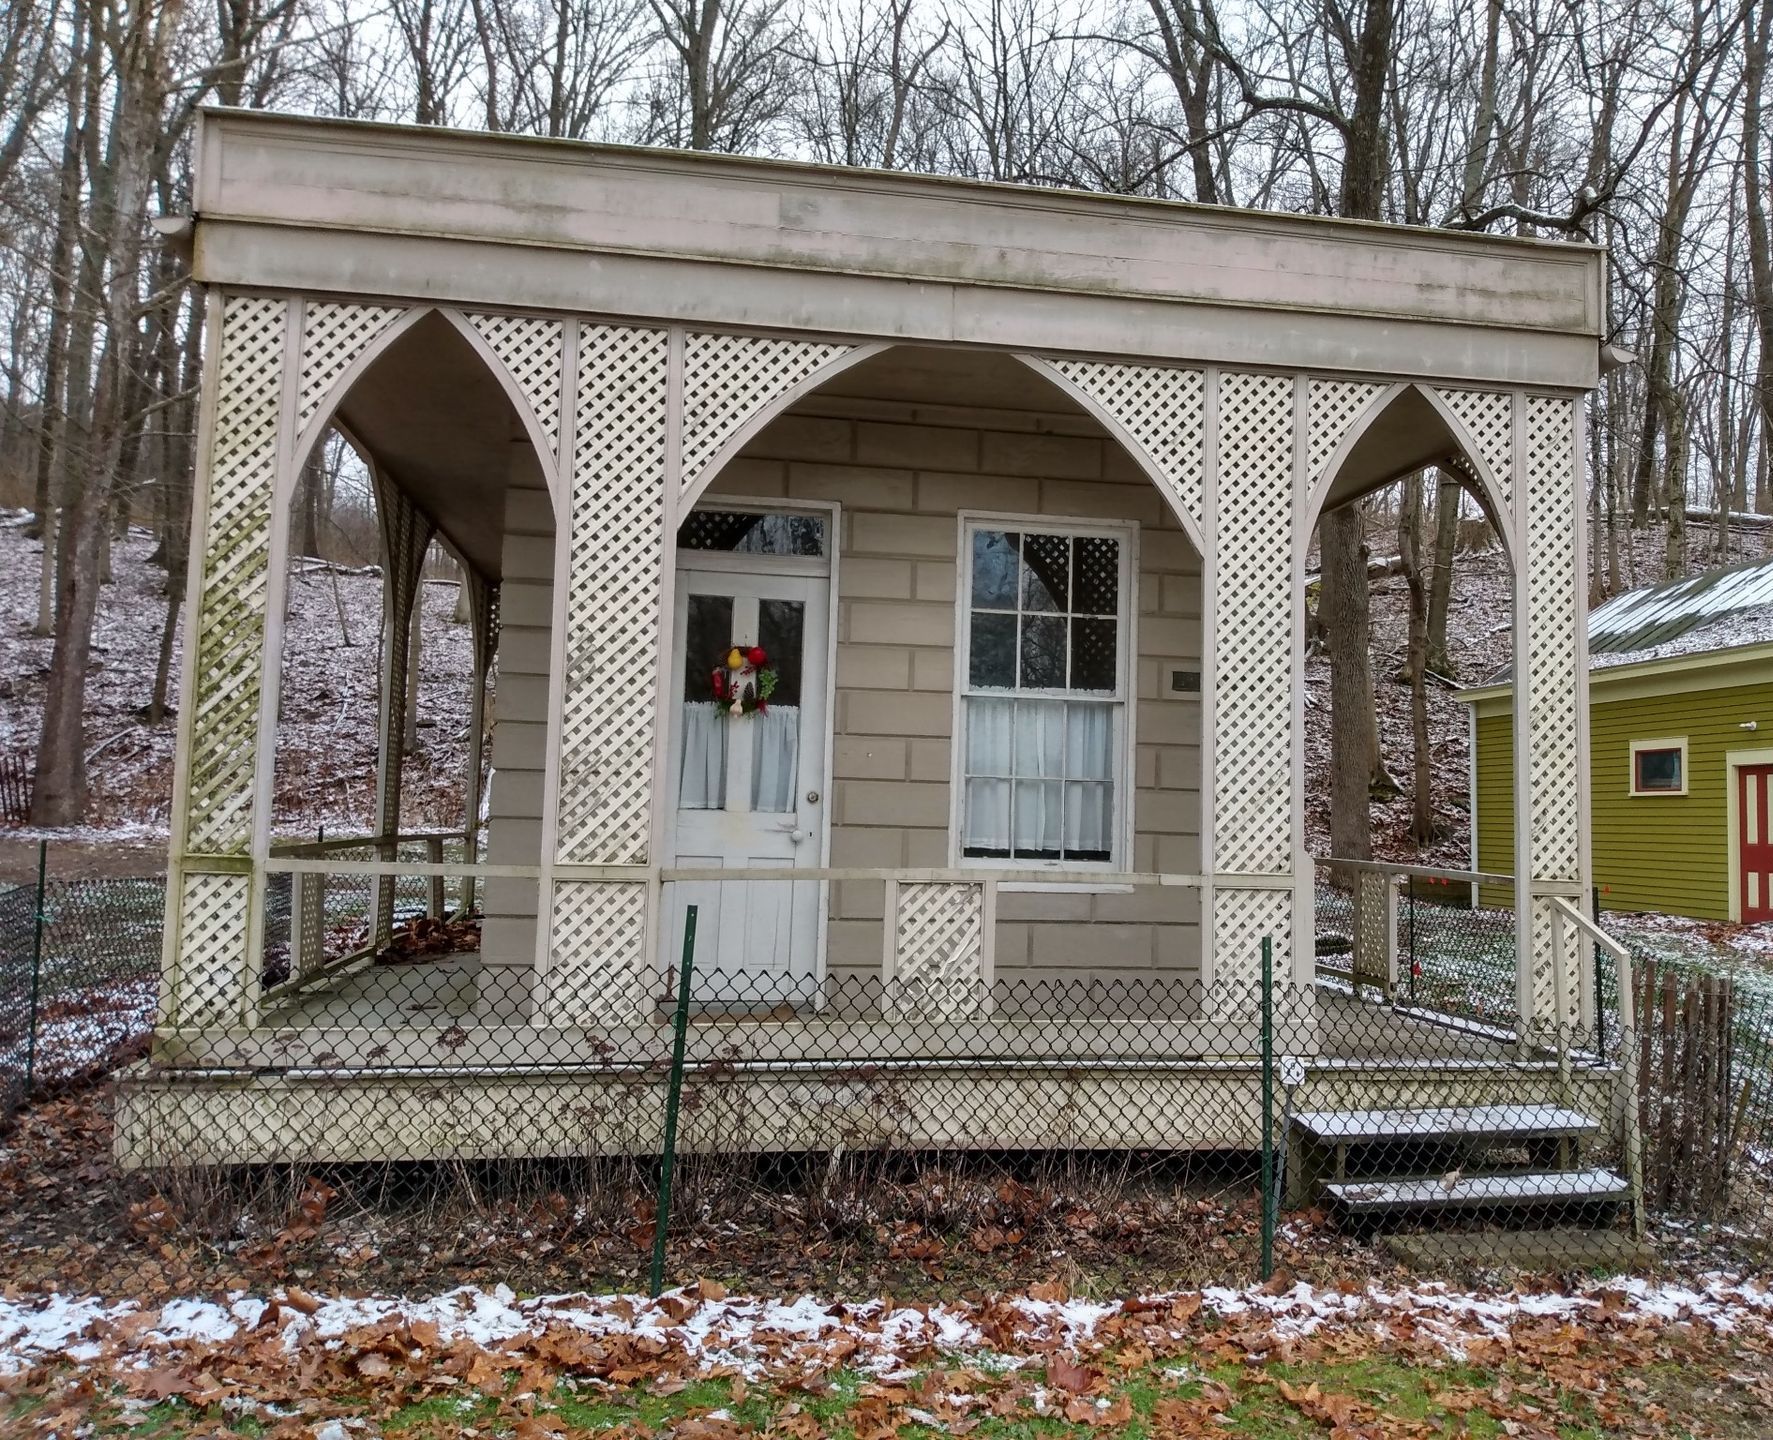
<point>327,732</point>
<point>762,1336</point>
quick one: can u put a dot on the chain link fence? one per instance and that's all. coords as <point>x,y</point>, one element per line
<point>79,977</point>
<point>416,1088</point>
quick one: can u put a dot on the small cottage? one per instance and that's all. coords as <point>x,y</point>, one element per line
<point>908,573</point>
<point>1680,688</point>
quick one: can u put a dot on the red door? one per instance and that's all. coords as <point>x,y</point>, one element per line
<point>1754,842</point>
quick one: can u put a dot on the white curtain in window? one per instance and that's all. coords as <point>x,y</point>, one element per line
<point>1039,750</point>
<point>775,757</point>
<point>703,782</point>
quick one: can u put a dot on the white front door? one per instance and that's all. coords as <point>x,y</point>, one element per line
<point>749,789</point>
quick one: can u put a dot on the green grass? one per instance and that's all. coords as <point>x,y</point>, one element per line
<point>1447,1397</point>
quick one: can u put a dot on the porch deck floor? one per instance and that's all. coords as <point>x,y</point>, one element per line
<point>448,992</point>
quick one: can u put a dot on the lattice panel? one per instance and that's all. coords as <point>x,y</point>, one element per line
<point>1375,927</point>
<point>333,336</point>
<point>1332,406</point>
<point>615,572</point>
<point>236,543</point>
<point>1164,409</point>
<point>531,349</point>
<point>939,953</point>
<point>210,987</point>
<point>1488,418</point>
<point>1553,617</point>
<point>729,378</point>
<point>598,969</point>
<point>1241,920</point>
<point>1252,689</point>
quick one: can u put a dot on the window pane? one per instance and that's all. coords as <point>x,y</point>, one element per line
<point>1095,575</point>
<point>994,569</point>
<point>775,758</point>
<point>1093,654</point>
<point>781,625</point>
<point>1039,821</point>
<point>1043,652</point>
<point>987,824</point>
<point>1040,739</point>
<point>1046,572</point>
<point>1089,821</point>
<point>708,635</point>
<point>993,662</point>
<point>701,771</point>
<point>1089,741</point>
<point>991,740</point>
<point>1659,769</point>
<point>753,533</point>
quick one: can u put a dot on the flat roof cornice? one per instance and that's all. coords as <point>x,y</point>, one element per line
<point>602,228</point>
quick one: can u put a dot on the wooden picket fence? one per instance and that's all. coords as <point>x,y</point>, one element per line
<point>15,789</point>
<point>1692,1105</point>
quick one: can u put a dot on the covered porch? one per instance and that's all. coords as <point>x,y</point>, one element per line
<point>1012,544</point>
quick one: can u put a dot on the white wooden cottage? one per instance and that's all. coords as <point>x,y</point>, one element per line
<point>1013,486</point>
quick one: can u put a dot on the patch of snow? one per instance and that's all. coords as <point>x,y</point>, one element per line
<point>749,1334</point>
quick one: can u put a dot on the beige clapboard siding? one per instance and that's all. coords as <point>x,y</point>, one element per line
<point>520,713</point>
<point>902,473</point>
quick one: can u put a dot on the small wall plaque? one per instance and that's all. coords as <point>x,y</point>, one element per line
<point>1184,682</point>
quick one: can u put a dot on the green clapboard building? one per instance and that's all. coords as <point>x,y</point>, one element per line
<point>1680,691</point>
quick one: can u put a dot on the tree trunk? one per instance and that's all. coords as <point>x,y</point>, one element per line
<point>1440,593</point>
<point>1755,180</point>
<point>1409,541</point>
<point>1354,737</point>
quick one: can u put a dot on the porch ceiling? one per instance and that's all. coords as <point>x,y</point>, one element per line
<point>439,425</point>
<point>926,375</point>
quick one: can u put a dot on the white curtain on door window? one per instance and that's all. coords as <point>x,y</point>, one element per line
<point>1043,744</point>
<point>703,782</point>
<point>775,757</point>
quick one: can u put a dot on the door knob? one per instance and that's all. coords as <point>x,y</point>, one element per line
<point>812,797</point>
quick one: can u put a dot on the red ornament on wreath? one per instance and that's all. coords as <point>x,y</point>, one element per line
<point>741,682</point>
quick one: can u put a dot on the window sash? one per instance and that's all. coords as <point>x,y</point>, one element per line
<point>1067,806</point>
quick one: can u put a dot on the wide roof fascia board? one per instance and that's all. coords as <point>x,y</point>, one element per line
<point>272,189</point>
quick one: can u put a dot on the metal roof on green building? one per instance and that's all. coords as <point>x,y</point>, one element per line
<point>1715,610</point>
<point>1721,609</point>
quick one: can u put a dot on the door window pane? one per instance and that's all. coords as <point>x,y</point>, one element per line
<point>708,634</point>
<point>781,631</point>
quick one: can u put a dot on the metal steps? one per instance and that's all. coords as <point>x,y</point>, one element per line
<point>1429,1167</point>
<point>1384,1197</point>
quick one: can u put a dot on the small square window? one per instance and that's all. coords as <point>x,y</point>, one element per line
<point>1658,769</point>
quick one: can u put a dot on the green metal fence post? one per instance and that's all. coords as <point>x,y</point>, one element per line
<point>1268,1206</point>
<point>673,1094</point>
<point>36,970</point>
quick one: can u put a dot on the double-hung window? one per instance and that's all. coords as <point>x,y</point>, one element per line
<point>1043,670</point>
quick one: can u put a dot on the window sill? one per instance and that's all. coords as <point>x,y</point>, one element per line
<point>1060,887</point>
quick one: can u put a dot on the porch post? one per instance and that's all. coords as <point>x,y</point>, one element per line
<point>1251,479</point>
<point>210,959</point>
<point>1550,746</point>
<point>610,575</point>
<point>406,534</point>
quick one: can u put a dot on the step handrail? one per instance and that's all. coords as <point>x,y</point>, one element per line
<point>1632,1141</point>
